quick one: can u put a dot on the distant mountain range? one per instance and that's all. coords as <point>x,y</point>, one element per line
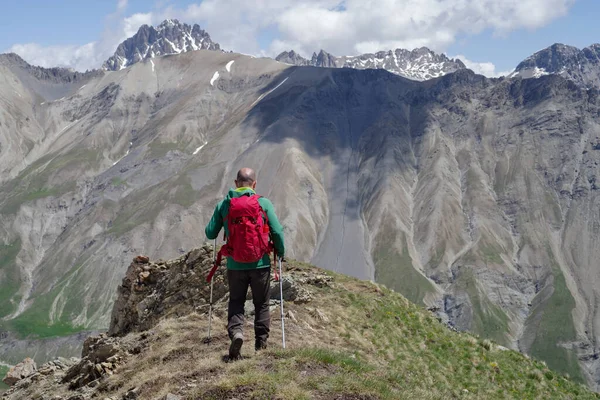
<point>174,37</point>
<point>419,64</point>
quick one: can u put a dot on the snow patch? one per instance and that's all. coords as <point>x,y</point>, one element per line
<point>268,93</point>
<point>538,72</point>
<point>68,126</point>
<point>199,148</point>
<point>228,66</point>
<point>152,62</point>
<point>126,153</point>
<point>214,78</point>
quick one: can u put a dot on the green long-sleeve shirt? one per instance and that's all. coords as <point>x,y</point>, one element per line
<point>216,223</point>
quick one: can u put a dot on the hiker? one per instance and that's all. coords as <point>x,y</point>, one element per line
<point>247,251</point>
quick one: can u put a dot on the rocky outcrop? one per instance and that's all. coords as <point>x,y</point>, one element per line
<point>151,292</point>
<point>154,290</point>
<point>20,371</point>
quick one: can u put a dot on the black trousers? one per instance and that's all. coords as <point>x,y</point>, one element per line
<point>259,281</point>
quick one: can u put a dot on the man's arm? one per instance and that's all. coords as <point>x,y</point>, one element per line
<point>274,226</point>
<point>216,223</point>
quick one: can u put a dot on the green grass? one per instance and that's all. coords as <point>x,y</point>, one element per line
<point>143,206</point>
<point>396,270</point>
<point>10,280</point>
<point>35,321</point>
<point>557,326</point>
<point>3,371</point>
<point>38,180</point>
<point>380,346</point>
<point>372,343</point>
<point>491,254</point>
<point>489,320</point>
<point>118,181</point>
<point>184,195</point>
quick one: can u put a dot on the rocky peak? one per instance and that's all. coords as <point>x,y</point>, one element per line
<point>291,57</point>
<point>170,37</point>
<point>419,64</point>
<point>324,59</point>
<point>580,66</point>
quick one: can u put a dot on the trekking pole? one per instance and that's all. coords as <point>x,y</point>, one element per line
<point>281,303</point>
<point>211,293</point>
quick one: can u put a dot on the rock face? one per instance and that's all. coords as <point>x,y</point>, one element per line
<point>20,371</point>
<point>580,66</point>
<point>419,64</point>
<point>152,291</point>
<point>170,37</point>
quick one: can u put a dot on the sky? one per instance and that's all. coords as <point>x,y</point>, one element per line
<point>490,36</point>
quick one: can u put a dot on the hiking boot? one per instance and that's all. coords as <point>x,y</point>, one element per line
<point>236,344</point>
<point>260,344</point>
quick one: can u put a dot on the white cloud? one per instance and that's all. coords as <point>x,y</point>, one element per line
<point>80,58</point>
<point>132,23</point>
<point>342,27</point>
<point>484,68</point>
<point>121,5</point>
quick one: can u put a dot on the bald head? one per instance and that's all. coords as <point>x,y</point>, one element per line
<point>246,177</point>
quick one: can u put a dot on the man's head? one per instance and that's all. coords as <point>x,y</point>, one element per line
<point>246,177</point>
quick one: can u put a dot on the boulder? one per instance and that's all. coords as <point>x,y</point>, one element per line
<point>20,371</point>
<point>290,290</point>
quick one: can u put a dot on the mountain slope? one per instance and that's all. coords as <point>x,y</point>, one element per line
<point>580,66</point>
<point>476,196</point>
<point>345,339</point>
<point>170,37</point>
<point>419,64</point>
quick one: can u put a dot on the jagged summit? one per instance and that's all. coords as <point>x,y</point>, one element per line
<point>346,339</point>
<point>580,66</point>
<point>419,64</point>
<point>170,37</point>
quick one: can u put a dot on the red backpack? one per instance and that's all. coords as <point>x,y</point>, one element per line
<point>249,235</point>
<point>248,228</point>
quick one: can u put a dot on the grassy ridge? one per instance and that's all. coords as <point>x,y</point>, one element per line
<point>355,340</point>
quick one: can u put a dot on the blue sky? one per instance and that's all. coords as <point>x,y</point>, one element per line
<point>83,33</point>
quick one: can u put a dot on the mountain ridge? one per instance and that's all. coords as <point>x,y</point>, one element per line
<point>419,64</point>
<point>366,342</point>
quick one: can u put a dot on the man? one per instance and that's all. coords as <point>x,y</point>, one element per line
<point>240,275</point>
